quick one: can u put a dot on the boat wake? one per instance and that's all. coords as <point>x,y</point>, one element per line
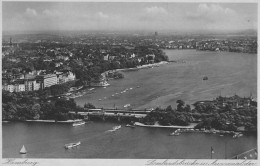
<point>109,131</point>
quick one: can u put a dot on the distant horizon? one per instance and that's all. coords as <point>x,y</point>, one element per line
<point>165,32</point>
<point>128,16</point>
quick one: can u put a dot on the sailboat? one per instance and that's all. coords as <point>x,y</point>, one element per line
<point>23,150</point>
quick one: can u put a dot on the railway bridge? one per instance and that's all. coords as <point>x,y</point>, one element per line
<point>104,113</point>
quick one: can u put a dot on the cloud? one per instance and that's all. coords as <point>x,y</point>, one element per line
<point>102,15</point>
<point>31,12</point>
<point>211,12</point>
<point>155,10</point>
<point>216,17</point>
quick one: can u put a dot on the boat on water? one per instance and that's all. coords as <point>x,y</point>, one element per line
<point>78,123</point>
<point>175,133</point>
<point>117,127</point>
<point>127,105</point>
<point>237,135</point>
<point>23,150</point>
<point>128,125</point>
<point>71,145</point>
<point>205,78</point>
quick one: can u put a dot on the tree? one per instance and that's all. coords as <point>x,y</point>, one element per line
<point>169,109</point>
<point>180,105</point>
<point>89,106</point>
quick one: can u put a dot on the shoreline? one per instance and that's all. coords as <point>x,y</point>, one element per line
<point>138,67</point>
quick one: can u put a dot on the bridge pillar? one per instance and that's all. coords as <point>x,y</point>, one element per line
<point>119,119</point>
<point>103,117</point>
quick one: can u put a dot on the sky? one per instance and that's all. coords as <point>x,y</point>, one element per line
<point>125,16</point>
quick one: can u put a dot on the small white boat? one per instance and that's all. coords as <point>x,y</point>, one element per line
<point>175,134</point>
<point>71,145</point>
<point>127,105</point>
<point>236,135</point>
<point>78,123</point>
<point>99,99</point>
<point>128,125</point>
<point>23,150</point>
<point>117,127</point>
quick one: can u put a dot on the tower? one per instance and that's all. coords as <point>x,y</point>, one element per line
<point>10,43</point>
<point>155,35</point>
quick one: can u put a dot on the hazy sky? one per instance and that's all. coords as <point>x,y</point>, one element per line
<point>34,16</point>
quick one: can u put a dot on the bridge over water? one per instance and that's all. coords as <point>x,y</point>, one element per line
<point>113,112</point>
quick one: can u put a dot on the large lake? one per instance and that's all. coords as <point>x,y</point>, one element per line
<point>228,73</point>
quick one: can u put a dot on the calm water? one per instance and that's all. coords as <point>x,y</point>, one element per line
<point>47,141</point>
<point>228,73</point>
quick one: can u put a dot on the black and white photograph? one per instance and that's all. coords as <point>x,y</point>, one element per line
<point>149,81</point>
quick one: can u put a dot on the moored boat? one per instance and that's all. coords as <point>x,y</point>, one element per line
<point>71,145</point>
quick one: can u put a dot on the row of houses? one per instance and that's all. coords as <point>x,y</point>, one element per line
<point>38,82</point>
<point>150,57</point>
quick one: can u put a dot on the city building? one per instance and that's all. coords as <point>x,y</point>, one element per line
<point>46,80</point>
<point>63,77</point>
<point>19,87</point>
<point>8,87</point>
